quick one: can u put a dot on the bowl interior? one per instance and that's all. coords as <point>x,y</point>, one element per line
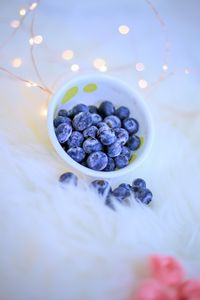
<point>92,90</point>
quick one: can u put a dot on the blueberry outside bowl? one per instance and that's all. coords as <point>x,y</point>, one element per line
<point>92,90</point>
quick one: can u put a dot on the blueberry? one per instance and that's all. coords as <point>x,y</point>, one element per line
<point>90,132</point>
<point>114,149</point>
<point>63,132</point>
<point>96,119</point>
<point>121,161</point>
<point>106,108</point>
<point>63,113</point>
<point>69,178</point>
<point>76,153</point>
<point>97,161</point>
<point>122,112</point>
<point>102,124</point>
<point>110,165</point>
<point>82,121</point>
<point>133,142</point>
<point>144,195</point>
<point>59,120</point>
<point>92,109</point>
<point>106,136</point>
<point>121,193</point>
<point>113,121</point>
<point>80,108</point>
<point>131,125</point>
<point>128,188</point>
<point>70,113</point>
<point>122,135</point>
<point>101,186</point>
<point>138,184</point>
<point>127,152</point>
<point>92,145</point>
<point>109,201</point>
<point>75,140</point>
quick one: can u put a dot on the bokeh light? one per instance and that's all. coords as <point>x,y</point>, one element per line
<point>33,6</point>
<point>16,62</point>
<point>139,67</point>
<point>124,29</point>
<point>75,68</point>
<point>67,54</point>
<point>143,84</point>
<point>38,39</point>
<point>15,23</point>
<point>22,12</point>
<point>99,62</point>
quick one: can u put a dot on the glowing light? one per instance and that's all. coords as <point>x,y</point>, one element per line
<point>98,63</point>
<point>16,62</point>
<point>22,12</point>
<point>75,67</point>
<point>67,54</point>
<point>139,67</point>
<point>33,6</point>
<point>31,41</point>
<point>31,84</point>
<point>38,39</point>
<point>186,71</point>
<point>15,24</point>
<point>143,84</point>
<point>124,29</point>
<point>165,67</point>
<point>43,112</point>
<point>103,69</point>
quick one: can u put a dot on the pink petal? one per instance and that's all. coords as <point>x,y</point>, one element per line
<point>190,290</point>
<point>154,290</point>
<point>166,269</point>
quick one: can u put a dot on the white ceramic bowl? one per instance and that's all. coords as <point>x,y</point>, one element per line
<point>94,89</point>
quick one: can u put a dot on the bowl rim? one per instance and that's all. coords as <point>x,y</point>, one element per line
<point>84,170</point>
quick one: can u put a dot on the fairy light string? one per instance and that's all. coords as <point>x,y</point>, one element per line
<point>33,60</point>
<point>99,63</point>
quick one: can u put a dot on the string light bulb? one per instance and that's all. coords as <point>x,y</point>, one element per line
<point>67,54</point>
<point>16,62</point>
<point>43,112</point>
<point>75,68</point>
<point>99,62</point>
<point>139,67</point>
<point>33,6</point>
<point>186,71</point>
<point>143,84</point>
<point>22,12</point>
<point>165,67</point>
<point>31,41</point>
<point>31,84</point>
<point>38,39</point>
<point>103,68</point>
<point>15,24</point>
<point>123,29</point>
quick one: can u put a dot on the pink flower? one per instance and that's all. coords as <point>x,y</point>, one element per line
<point>190,290</point>
<point>166,270</point>
<point>154,290</point>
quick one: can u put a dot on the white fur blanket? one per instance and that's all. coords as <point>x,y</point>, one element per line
<point>65,244</point>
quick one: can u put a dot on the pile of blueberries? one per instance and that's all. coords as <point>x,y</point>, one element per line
<point>101,139</point>
<point>122,193</point>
